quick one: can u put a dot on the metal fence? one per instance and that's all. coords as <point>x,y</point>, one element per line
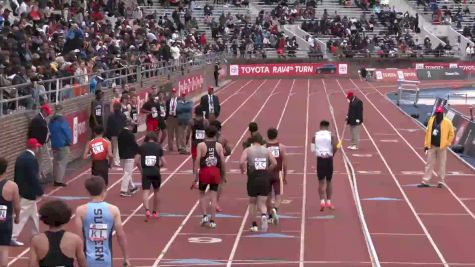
<point>29,96</point>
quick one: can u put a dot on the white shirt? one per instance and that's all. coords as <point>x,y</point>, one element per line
<point>31,151</point>
<point>323,144</point>
<point>211,104</point>
<point>173,102</point>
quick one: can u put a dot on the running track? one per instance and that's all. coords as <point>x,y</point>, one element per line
<point>381,219</point>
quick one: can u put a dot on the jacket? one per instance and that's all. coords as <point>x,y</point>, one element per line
<point>184,110</point>
<point>115,123</point>
<point>446,133</point>
<point>355,112</point>
<point>128,147</point>
<point>204,104</point>
<point>38,129</point>
<point>60,131</point>
<point>27,176</point>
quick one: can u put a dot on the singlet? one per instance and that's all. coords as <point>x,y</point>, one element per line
<point>197,132</point>
<point>134,113</point>
<point>153,108</point>
<point>99,147</point>
<point>6,211</point>
<point>98,226</point>
<point>257,161</point>
<point>211,158</point>
<point>323,144</point>
<point>162,110</point>
<point>150,154</point>
<point>274,148</point>
<point>98,107</point>
<point>125,110</point>
<point>55,257</point>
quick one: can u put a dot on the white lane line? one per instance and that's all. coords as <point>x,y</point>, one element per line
<point>304,189</point>
<point>442,214</point>
<point>406,198</point>
<point>398,234</point>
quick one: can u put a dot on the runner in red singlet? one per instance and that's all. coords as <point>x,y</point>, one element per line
<point>278,176</point>
<point>196,128</point>
<point>100,150</point>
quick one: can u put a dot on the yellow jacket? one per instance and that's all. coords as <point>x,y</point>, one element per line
<point>446,133</point>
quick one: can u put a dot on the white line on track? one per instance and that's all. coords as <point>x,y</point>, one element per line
<point>304,189</point>
<point>185,220</point>
<point>246,214</point>
<point>406,198</point>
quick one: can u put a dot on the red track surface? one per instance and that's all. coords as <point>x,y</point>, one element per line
<point>418,227</point>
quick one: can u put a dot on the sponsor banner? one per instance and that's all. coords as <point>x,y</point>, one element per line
<point>190,84</point>
<point>79,123</point>
<point>395,74</point>
<point>441,74</point>
<point>285,70</point>
<point>468,67</point>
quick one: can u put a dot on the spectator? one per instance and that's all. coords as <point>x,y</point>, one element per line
<point>38,129</point>
<point>115,123</point>
<point>184,111</point>
<point>28,181</point>
<point>172,121</point>
<point>128,148</point>
<point>61,139</point>
<point>354,119</point>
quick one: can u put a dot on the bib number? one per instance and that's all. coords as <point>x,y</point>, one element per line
<point>99,112</point>
<point>435,132</point>
<point>275,151</point>
<point>260,164</point>
<point>154,112</point>
<point>162,111</point>
<point>97,148</point>
<point>3,212</point>
<point>98,232</point>
<point>134,116</point>
<point>150,161</point>
<point>200,134</point>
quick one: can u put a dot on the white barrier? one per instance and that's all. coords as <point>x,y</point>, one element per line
<point>406,86</point>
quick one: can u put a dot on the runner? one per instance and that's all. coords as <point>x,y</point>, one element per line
<point>125,106</point>
<point>9,211</point>
<point>97,220</point>
<point>210,169</point>
<point>162,121</point>
<point>324,144</point>
<point>227,151</point>
<point>253,129</point>
<point>196,128</point>
<point>100,149</point>
<point>278,176</point>
<point>56,247</point>
<point>151,109</point>
<point>150,161</point>
<point>255,160</point>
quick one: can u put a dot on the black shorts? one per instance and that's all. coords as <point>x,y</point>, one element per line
<point>325,168</point>
<point>154,181</point>
<point>6,228</point>
<point>162,125</point>
<point>101,168</point>
<point>258,186</point>
<point>212,187</point>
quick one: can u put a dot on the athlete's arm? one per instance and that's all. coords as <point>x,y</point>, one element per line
<point>119,230</point>
<point>33,256</point>
<point>283,156</point>
<point>220,149</point>
<point>226,147</point>
<point>334,144</point>
<point>16,202</point>
<point>109,151</point>
<point>80,257</point>
<point>78,218</point>
<point>312,145</point>
<point>243,161</point>
<point>87,149</point>
<point>273,161</point>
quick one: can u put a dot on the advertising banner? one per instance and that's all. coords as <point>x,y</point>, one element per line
<point>395,74</point>
<point>287,70</point>
<point>441,74</point>
<point>467,67</point>
<point>190,83</point>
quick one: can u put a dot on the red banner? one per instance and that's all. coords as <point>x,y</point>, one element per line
<point>468,67</point>
<point>79,123</point>
<point>395,74</point>
<point>190,84</point>
<point>285,70</point>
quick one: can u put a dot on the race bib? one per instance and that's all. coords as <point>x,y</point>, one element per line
<point>154,112</point>
<point>211,162</point>
<point>98,232</point>
<point>3,212</point>
<point>134,116</point>
<point>275,151</point>
<point>150,161</point>
<point>97,148</point>
<point>435,132</point>
<point>99,111</point>
<point>200,134</point>
<point>163,112</point>
<point>260,164</point>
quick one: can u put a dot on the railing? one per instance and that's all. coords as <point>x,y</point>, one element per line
<point>29,95</point>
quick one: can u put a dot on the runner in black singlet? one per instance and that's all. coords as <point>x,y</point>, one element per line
<point>227,152</point>
<point>196,128</point>
<point>134,112</point>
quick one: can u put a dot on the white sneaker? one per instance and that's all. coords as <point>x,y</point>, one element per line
<point>254,229</point>
<point>204,220</point>
<point>264,223</point>
<point>212,225</point>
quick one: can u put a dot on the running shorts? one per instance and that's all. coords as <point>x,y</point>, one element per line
<point>162,125</point>
<point>6,229</point>
<point>154,181</point>
<point>258,186</point>
<point>210,175</point>
<point>212,187</point>
<point>152,125</point>
<point>101,168</point>
<point>325,168</point>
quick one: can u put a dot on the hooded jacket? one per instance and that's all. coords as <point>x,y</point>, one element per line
<point>61,134</point>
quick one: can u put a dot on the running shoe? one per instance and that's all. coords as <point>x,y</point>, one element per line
<point>423,185</point>
<point>155,214</point>
<point>134,190</point>
<point>212,224</point>
<point>352,147</point>
<point>275,216</point>
<point>440,185</point>
<point>254,228</point>
<point>322,206</point>
<point>264,223</point>
<point>125,194</point>
<point>330,206</point>
<point>219,209</point>
<point>147,215</point>
<point>204,220</point>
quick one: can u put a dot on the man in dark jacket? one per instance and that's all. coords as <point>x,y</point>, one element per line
<point>217,68</point>
<point>354,119</point>
<point>210,105</point>
<point>38,129</point>
<point>61,139</point>
<point>172,121</point>
<point>115,123</point>
<point>27,178</point>
<point>128,148</point>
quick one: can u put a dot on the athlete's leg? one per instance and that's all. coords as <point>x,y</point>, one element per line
<point>204,199</point>
<point>329,190</point>
<point>145,196</point>
<point>4,256</point>
<point>261,204</point>
<point>253,209</point>
<point>156,199</point>
<point>213,196</point>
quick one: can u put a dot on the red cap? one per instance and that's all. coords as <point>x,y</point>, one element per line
<point>183,94</point>
<point>350,95</point>
<point>439,109</point>
<point>174,90</point>
<point>46,108</point>
<point>33,143</point>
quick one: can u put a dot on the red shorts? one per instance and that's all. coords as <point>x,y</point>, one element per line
<point>210,175</point>
<point>193,152</point>
<point>152,125</point>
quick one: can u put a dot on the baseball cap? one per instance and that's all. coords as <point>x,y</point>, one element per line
<point>174,90</point>
<point>46,108</point>
<point>349,95</point>
<point>439,109</point>
<point>183,93</point>
<point>33,143</point>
